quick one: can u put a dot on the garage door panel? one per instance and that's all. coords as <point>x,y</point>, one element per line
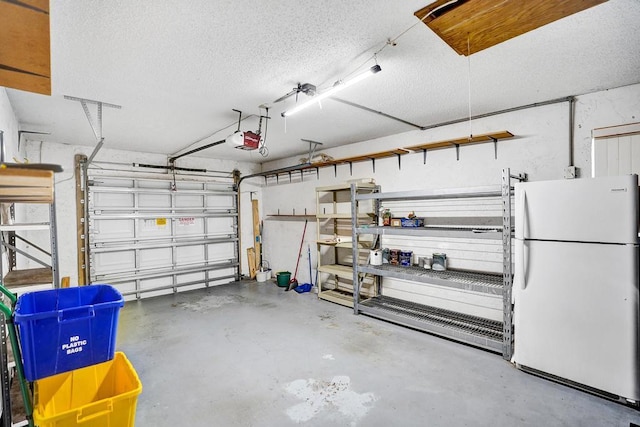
<point>151,240</point>
<point>219,201</point>
<point>188,254</point>
<point>154,257</point>
<point>186,226</point>
<point>154,227</point>
<point>221,251</point>
<point>101,200</point>
<point>154,201</point>
<point>114,262</point>
<point>116,229</point>
<point>221,225</point>
<point>191,278</point>
<point>187,200</point>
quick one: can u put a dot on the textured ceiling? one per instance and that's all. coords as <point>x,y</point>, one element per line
<point>179,68</point>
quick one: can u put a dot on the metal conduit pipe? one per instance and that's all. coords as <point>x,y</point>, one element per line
<point>572,112</point>
<point>495,113</point>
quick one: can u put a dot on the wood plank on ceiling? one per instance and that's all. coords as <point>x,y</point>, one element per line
<point>469,26</point>
<point>25,60</point>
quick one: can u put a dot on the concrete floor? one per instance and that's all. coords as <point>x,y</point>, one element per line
<point>249,354</point>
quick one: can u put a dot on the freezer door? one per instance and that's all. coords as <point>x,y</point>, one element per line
<point>584,210</point>
<point>576,313</point>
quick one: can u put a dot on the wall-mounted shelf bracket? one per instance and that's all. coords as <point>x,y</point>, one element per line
<point>424,156</point>
<point>520,177</point>
<point>495,147</point>
<point>312,147</point>
<point>457,152</point>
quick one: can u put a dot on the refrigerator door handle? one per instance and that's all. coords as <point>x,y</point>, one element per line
<point>521,255</point>
<point>521,214</point>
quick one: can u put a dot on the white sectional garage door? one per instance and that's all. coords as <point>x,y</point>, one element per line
<point>151,234</point>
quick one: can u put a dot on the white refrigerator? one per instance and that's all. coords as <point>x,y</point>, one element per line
<point>575,291</point>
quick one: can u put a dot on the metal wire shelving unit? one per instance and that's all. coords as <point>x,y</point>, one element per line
<point>496,336</point>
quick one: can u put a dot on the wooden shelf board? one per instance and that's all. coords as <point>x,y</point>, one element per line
<point>361,158</point>
<point>31,276</point>
<point>474,139</point>
<point>310,216</point>
<point>344,271</point>
<point>338,297</point>
<point>26,185</point>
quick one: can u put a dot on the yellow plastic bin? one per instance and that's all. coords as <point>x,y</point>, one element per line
<point>102,395</point>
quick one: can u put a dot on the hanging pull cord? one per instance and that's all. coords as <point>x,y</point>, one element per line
<point>263,150</point>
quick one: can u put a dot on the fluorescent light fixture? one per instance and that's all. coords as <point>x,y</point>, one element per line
<point>335,89</point>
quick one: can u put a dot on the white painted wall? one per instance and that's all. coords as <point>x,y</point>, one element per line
<point>540,148</point>
<point>8,124</point>
<point>602,109</point>
<point>9,127</point>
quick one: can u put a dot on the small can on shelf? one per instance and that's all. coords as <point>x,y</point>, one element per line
<point>405,258</point>
<point>412,222</point>
<point>394,256</point>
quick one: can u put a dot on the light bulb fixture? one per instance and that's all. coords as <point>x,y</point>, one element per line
<point>335,89</point>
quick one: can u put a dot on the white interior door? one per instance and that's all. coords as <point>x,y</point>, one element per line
<point>616,150</point>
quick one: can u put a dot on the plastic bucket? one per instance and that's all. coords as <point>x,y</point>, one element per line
<point>283,278</point>
<point>262,276</point>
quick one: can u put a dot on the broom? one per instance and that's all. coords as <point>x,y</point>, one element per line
<point>293,283</point>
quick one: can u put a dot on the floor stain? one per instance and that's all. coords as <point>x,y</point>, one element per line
<point>326,316</point>
<point>208,302</point>
<point>331,395</point>
<point>365,327</point>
